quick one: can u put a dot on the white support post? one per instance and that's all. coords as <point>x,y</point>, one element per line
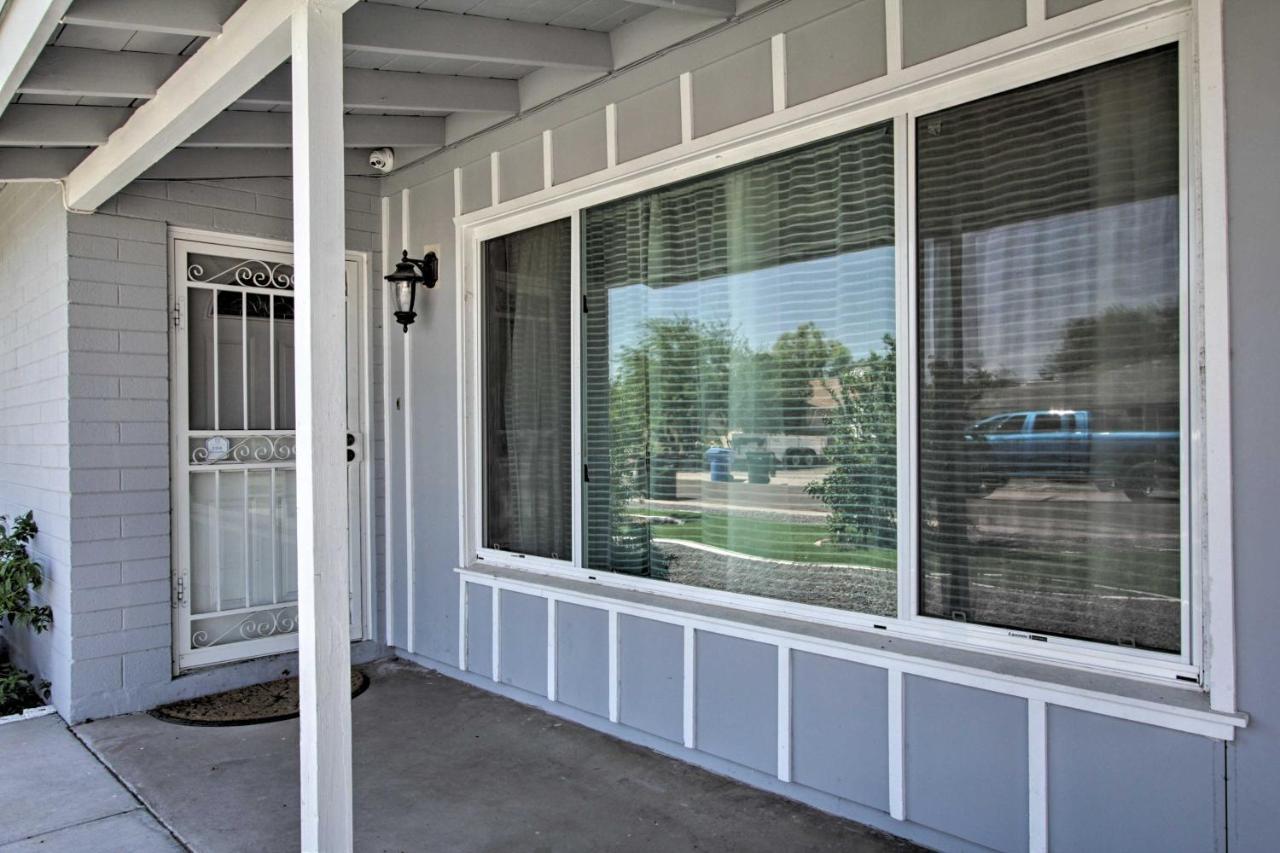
<point>324,650</point>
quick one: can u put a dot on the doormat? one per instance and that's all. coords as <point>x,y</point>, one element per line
<point>245,706</point>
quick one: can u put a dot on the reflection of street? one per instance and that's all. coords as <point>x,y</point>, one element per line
<point>783,497</point>
<point>1046,510</point>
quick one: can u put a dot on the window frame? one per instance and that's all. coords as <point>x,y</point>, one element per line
<point>774,134</point>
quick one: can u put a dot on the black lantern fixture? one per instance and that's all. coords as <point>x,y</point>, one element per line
<point>411,272</point>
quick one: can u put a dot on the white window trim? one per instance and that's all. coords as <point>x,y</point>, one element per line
<point>1096,34</point>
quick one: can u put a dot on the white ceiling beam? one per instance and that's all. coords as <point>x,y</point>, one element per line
<point>18,165</point>
<point>253,42</point>
<point>396,30</point>
<point>714,8</point>
<point>104,73</point>
<point>273,130</point>
<point>193,164</point>
<point>203,18</point>
<point>40,125</point>
<point>25,28</point>
<point>401,90</point>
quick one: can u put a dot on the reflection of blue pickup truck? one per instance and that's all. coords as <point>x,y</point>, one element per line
<point>1070,445</point>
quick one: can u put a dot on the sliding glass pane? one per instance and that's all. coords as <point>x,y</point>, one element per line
<point>739,379</point>
<point>1048,256</point>
<point>527,404</point>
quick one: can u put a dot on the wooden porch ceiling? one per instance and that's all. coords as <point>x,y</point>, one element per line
<point>81,76</point>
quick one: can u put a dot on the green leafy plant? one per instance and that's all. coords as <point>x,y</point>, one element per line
<point>19,577</point>
<point>19,690</point>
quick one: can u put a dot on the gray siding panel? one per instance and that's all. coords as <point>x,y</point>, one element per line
<point>735,89</point>
<point>1253,128</point>
<point>736,700</point>
<point>966,762</point>
<point>1057,7</point>
<point>836,52</point>
<point>523,638</point>
<point>651,676</point>
<point>480,629</point>
<point>477,186</point>
<point>578,148</point>
<point>840,728</point>
<point>520,169</point>
<point>932,28</point>
<point>582,658</point>
<point>1114,784</point>
<point>649,122</point>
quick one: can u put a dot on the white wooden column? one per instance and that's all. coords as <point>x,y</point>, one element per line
<point>324,651</point>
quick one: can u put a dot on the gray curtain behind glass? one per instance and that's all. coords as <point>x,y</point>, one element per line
<point>527,362</point>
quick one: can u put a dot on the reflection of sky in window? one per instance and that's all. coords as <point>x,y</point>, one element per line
<point>1026,281</point>
<point>850,297</point>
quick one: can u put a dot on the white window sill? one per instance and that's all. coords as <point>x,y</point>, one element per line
<point>1165,705</point>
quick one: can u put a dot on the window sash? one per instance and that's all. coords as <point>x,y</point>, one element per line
<point>903,111</point>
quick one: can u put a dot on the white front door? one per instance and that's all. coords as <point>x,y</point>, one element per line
<point>234,494</point>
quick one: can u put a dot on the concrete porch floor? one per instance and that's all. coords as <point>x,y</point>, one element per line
<point>442,765</point>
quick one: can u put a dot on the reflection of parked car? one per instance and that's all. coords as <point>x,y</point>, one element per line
<point>799,457</point>
<point>1069,445</point>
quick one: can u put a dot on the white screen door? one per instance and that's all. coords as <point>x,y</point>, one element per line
<point>234,493</point>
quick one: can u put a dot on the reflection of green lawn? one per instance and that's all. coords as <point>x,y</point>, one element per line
<point>766,538</point>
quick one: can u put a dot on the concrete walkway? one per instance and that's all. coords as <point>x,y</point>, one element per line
<point>57,798</point>
<point>441,765</point>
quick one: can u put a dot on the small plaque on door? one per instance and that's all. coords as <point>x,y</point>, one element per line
<point>217,446</point>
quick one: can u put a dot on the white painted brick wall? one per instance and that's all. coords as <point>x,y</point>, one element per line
<point>34,403</point>
<point>117,333</point>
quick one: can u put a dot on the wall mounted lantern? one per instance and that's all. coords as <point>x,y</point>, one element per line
<point>410,272</point>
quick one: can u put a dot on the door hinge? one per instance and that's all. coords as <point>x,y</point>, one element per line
<point>179,590</point>
<point>585,309</point>
<point>586,474</point>
<point>176,315</point>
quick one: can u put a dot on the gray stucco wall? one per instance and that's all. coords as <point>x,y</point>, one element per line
<point>108,320</point>
<point>34,402</point>
<point>1253,177</point>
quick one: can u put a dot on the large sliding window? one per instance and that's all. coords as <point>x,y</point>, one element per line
<point>743,427</point>
<point>740,385</point>
<point>1048,256</point>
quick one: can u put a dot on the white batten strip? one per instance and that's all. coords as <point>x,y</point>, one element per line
<point>1035,12</point>
<point>784,713</point>
<point>410,539</point>
<point>611,135</point>
<point>1037,777</point>
<point>457,192</point>
<point>613,666</point>
<point>548,165</point>
<point>495,177</point>
<point>897,747</point>
<point>388,606</point>
<point>690,676</point>
<point>893,35</point>
<point>686,107</point>
<point>462,624</point>
<point>778,45</point>
<point>495,633</point>
<point>552,662</point>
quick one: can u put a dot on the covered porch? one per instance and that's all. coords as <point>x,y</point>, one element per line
<point>443,765</point>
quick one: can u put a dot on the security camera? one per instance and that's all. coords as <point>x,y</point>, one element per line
<point>382,159</point>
